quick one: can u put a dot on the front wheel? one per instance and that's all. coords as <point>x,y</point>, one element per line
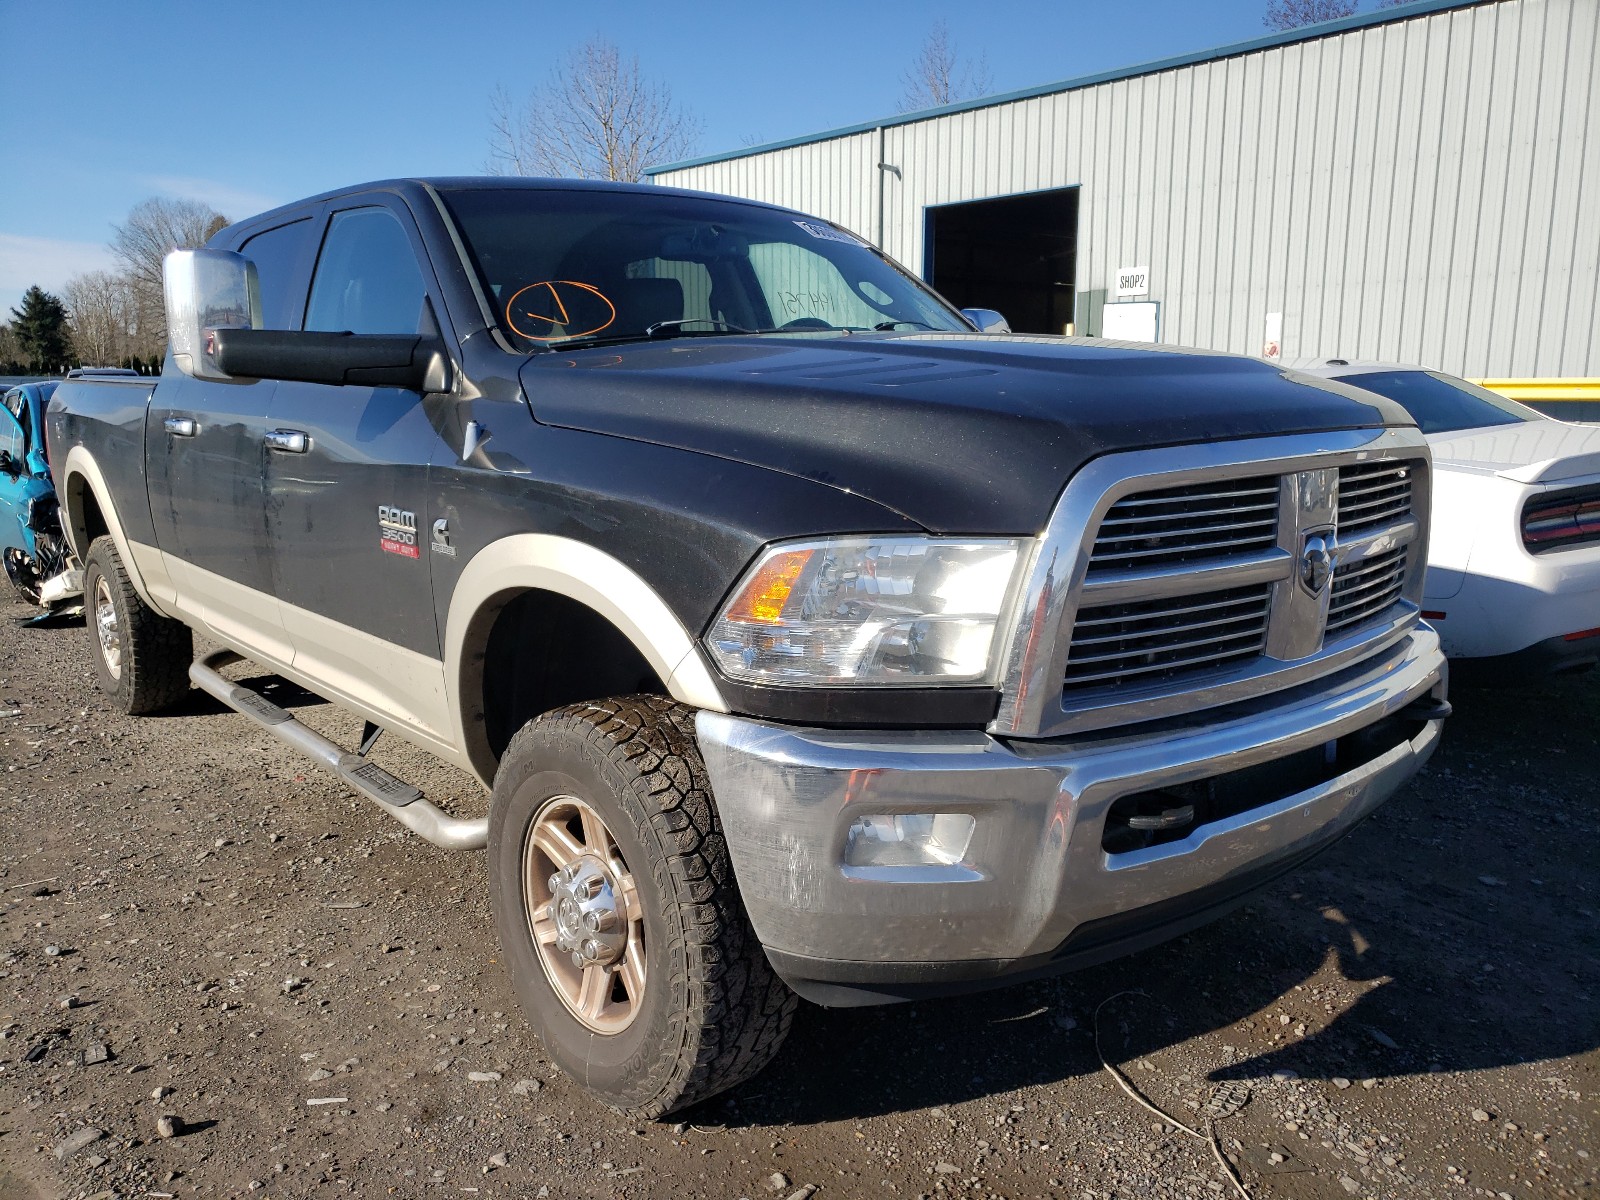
<point>623,931</point>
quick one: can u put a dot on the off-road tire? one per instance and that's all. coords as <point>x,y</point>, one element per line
<point>156,650</point>
<point>714,1013</point>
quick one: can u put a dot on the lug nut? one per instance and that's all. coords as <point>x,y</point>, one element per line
<point>577,960</point>
<point>554,882</point>
<point>591,949</point>
<point>593,885</point>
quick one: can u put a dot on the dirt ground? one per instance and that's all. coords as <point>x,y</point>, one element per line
<point>198,925</point>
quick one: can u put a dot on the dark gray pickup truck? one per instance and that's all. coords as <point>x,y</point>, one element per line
<point>809,639</point>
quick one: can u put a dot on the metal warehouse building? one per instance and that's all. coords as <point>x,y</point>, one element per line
<point>1421,184</point>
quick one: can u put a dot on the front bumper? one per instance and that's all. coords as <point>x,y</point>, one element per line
<point>1036,889</point>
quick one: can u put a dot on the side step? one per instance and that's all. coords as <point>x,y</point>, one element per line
<point>394,796</point>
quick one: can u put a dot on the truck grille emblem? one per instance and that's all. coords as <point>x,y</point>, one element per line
<point>1316,561</point>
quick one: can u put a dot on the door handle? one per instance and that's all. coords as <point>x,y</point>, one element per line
<point>289,441</point>
<point>181,426</point>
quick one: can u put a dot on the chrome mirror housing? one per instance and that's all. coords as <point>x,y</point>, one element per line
<point>207,290</point>
<point>987,320</point>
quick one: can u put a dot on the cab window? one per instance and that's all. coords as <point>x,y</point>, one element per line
<point>278,254</point>
<point>367,278</point>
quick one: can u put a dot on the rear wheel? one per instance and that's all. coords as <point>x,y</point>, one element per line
<point>142,658</point>
<point>623,930</point>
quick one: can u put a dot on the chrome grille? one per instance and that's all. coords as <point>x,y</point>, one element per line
<point>1154,639</point>
<point>1372,495</point>
<point>1165,604</point>
<point>1172,526</point>
<point>1186,578</point>
<point>1364,589</point>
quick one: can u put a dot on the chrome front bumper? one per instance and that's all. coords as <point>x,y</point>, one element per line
<point>1035,872</point>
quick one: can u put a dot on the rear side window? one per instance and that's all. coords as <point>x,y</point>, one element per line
<point>278,254</point>
<point>367,278</point>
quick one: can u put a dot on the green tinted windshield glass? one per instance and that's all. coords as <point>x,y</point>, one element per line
<point>570,267</point>
<point>1441,403</point>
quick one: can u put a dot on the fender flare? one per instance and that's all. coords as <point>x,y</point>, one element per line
<point>545,562</point>
<point>81,466</point>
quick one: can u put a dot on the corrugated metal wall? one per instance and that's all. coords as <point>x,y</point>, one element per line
<point>1426,190</point>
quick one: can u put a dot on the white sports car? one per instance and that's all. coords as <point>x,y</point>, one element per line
<point>1514,553</point>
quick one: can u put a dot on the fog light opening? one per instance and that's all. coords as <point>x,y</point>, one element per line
<point>908,839</point>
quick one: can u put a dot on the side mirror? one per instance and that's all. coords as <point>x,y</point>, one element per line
<point>370,359</point>
<point>206,291</point>
<point>987,320</point>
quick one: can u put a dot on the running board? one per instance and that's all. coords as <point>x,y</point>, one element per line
<point>394,796</point>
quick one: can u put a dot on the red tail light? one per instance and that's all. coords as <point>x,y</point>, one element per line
<point>1562,520</point>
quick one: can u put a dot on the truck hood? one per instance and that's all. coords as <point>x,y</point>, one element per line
<point>1527,452</point>
<point>959,433</point>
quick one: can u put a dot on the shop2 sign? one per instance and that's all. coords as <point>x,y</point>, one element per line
<point>1132,281</point>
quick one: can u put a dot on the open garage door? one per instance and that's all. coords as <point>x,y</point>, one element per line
<point>1018,255</point>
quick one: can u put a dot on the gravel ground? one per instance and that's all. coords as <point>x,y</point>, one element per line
<point>222,974</point>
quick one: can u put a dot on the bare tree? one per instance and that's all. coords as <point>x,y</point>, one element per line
<point>938,76</point>
<point>10,352</point>
<point>101,307</point>
<point>1292,14</point>
<point>153,228</point>
<point>597,117</point>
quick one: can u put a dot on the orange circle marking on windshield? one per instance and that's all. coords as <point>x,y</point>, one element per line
<point>516,311</point>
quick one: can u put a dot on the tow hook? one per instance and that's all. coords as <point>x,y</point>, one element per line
<point>1426,708</point>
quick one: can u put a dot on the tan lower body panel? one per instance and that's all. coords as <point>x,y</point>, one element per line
<point>387,684</point>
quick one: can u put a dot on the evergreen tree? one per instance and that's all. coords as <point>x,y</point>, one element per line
<point>40,327</point>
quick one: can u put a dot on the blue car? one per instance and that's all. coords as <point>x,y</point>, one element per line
<point>30,527</point>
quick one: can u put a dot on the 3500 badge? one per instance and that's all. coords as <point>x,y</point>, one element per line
<point>397,531</point>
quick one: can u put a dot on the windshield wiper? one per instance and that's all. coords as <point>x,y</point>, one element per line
<point>889,326</point>
<point>661,329</point>
<point>676,328</point>
<point>584,342</point>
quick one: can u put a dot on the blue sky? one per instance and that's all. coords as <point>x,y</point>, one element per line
<point>250,105</point>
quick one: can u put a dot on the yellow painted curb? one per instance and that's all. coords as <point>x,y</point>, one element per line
<point>1544,391</point>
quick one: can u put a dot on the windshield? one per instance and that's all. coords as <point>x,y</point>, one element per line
<point>565,268</point>
<point>1441,403</point>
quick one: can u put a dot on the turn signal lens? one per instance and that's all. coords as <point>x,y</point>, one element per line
<point>762,599</point>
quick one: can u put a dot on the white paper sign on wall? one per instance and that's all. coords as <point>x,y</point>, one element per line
<point>1131,281</point>
<point>1272,343</point>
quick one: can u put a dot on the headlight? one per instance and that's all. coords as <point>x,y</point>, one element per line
<point>881,611</point>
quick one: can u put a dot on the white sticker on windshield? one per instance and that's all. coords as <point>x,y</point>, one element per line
<point>828,233</point>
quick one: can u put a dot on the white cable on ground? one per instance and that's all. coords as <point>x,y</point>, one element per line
<point>1209,1137</point>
